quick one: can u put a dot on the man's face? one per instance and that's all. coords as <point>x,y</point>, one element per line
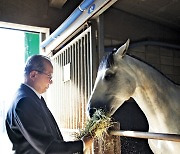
<point>44,79</point>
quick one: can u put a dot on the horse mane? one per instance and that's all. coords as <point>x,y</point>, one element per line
<point>108,61</point>
<point>135,57</point>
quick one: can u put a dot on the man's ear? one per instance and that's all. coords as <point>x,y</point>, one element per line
<point>33,74</point>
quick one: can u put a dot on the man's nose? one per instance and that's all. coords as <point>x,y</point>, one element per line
<point>51,81</point>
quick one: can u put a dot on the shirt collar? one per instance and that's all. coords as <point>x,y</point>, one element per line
<point>39,95</point>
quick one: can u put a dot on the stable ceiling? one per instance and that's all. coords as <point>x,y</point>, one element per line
<point>166,12</point>
<point>57,3</point>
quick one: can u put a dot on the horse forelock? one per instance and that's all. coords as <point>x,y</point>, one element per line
<point>107,61</point>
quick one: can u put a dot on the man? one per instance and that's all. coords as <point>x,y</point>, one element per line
<point>30,125</point>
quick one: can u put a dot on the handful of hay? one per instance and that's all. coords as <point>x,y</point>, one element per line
<point>96,126</point>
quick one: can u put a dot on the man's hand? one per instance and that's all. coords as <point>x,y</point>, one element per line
<point>87,140</point>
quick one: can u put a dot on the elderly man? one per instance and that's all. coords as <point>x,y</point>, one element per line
<point>30,125</point>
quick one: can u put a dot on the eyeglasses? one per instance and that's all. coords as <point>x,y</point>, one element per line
<point>48,75</point>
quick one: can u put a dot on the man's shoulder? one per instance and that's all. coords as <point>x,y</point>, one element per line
<point>23,94</point>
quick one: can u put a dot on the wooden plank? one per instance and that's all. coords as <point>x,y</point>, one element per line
<point>108,144</point>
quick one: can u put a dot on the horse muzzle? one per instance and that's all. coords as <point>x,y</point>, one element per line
<point>92,109</point>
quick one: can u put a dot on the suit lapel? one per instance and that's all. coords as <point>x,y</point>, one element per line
<point>51,119</point>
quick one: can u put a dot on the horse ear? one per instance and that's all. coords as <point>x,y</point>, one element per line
<point>123,49</point>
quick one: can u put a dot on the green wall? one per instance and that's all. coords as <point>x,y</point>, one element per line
<point>31,44</point>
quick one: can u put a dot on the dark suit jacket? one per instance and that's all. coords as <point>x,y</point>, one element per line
<point>32,128</point>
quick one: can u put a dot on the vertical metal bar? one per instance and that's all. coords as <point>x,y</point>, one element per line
<point>85,78</point>
<point>76,81</point>
<point>65,86</point>
<point>72,85</point>
<point>100,26</point>
<point>59,79</point>
<point>89,60</point>
<point>79,83</point>
<point>63,91</point>
<point>82,82</point>
<point>70,88</point>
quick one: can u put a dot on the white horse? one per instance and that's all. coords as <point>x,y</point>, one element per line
<point>120,77</point>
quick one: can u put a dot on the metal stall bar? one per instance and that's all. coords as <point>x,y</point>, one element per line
<point>147,135</point>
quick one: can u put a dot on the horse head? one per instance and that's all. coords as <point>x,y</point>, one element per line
<point>120,77</point>
<point>114,83</point>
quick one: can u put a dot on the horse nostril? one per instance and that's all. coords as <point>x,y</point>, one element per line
<point>91,112</point>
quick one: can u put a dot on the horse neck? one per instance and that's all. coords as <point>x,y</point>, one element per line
<point>154,93</point>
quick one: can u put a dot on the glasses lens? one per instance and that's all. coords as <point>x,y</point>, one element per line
<point>48,75</point>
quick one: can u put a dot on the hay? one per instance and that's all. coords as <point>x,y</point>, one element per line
<point>96,126</point>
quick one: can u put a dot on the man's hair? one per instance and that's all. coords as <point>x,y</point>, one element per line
<point>36,63</point>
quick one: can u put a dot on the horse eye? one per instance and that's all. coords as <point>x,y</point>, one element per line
<point>109,76</point>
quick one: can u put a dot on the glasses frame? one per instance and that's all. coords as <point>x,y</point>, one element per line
<point>48,75</point>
